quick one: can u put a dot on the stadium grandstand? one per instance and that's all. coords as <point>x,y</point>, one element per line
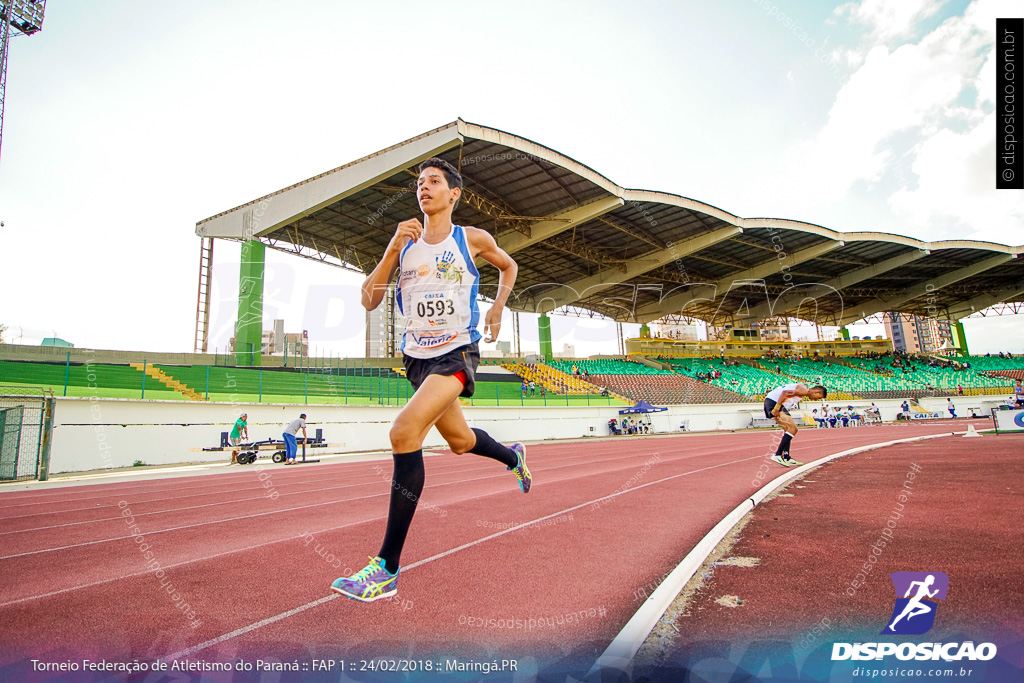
<point>585,244</point>
<point>585,247</point>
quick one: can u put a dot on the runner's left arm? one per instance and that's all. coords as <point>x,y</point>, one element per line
<point>486,248</point>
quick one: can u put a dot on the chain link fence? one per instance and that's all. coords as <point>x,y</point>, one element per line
<point>26,429</point>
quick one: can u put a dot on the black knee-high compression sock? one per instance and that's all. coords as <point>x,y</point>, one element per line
<point>489,448</point>
<point>784,444</point>
<point>406,488</point>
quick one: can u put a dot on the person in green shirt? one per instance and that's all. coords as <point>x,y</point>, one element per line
<point>238,432</point>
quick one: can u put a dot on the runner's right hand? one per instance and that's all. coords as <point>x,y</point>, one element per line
<point>411,229</point>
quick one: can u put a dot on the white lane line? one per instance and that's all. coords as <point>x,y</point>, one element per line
<point>304,507</point>
<point>456,468</point>
<point>459,467</point>
<point>302,608</point>
<point>290,537</point>
<point>258,545</point>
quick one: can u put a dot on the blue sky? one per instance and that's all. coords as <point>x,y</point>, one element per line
<point>127,122</point>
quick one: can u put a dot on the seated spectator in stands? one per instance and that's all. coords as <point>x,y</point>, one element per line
<point>586,373</point>
<point>604,391</point>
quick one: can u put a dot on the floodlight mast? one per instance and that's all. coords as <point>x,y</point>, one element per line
<point>25,17</point>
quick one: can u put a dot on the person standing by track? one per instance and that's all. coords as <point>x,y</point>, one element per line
<point>291,446</point>
<point>238,432</point>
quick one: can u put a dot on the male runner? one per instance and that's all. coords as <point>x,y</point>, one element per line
<point>777,404</point>
<point>437,289</point>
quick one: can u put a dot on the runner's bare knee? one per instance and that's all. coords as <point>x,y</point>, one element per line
<point>405,437</point>
<point>461,443</point>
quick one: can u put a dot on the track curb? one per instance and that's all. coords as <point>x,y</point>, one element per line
<point>618,656</point>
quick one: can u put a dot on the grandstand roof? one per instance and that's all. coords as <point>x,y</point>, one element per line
<point>633,255</point>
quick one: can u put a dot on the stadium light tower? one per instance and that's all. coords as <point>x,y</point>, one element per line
<point>23,17</point>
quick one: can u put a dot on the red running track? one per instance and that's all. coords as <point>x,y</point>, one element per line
<point>814,584</point>
<point>605,518</point>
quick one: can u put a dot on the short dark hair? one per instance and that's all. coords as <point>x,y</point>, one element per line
<point>823,390</point>
<point>451,174</point>
<point>303,416</point>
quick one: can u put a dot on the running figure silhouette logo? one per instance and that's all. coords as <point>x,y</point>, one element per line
<point>914,612</point>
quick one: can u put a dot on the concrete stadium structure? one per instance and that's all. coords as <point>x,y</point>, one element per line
<point>585,243</point>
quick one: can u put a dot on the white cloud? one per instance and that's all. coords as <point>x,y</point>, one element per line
<point>956,181</point>
<point>956,170</point>
<point>908,128</point>
<point>893,91</point>
<point>889,19</point>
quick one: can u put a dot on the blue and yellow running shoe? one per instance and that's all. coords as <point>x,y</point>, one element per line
<point>372,582</point>
<point>521,470</point>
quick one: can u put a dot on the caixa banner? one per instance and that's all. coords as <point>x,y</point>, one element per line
<point>1008,420</point>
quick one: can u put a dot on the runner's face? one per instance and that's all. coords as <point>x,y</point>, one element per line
<point>432,191</point>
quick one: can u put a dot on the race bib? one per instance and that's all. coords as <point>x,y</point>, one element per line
<point>432,310</point>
